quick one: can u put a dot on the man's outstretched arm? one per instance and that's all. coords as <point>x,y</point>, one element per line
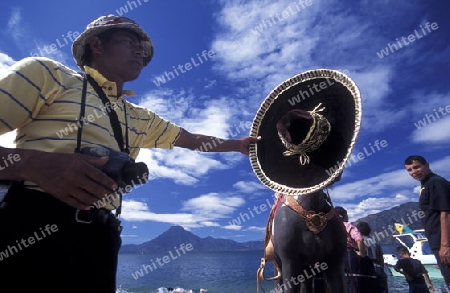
<point>205,143</point>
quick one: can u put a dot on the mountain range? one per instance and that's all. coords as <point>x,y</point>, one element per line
<point>175,236</point>
<point>382,225</point>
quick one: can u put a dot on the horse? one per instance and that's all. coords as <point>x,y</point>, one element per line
<point>309,239</point>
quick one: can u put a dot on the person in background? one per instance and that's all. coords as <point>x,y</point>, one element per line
<point>414,272</point>
<point>374,253</point>
<point>59,222</point>
<point>356,250</point>
<point>434,201</point>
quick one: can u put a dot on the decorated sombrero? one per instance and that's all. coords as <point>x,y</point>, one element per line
<point>308,127</point>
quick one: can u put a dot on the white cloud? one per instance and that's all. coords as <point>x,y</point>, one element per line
<point>216,117</point>
<point>14,25</point>
<point>181,165</point>
<point>429,118</point>
<point>168,104</point>
<point>129,235</point>
<point>255,228</point>
<point>202,211</point>
<point>374,85</point>
<point>213,204</point>
<point>17,30</point>
<point>209,224</point>
<point>248,186</point>
<point>242,53</point>
<point>374,186</point>
<point>434,132</point>
<point>232,227</point>
<point>139,211</point>
<point>5,62</point>
<point>427,103</point>
<point>210,121</point>
<point>373,205</point>
<point>49,50</point>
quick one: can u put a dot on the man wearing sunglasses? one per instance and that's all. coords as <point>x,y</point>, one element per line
<point>54,234</point>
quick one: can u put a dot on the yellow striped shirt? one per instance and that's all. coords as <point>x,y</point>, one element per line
<point>40,98</point>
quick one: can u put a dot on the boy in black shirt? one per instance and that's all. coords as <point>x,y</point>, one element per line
<point>414,272</point>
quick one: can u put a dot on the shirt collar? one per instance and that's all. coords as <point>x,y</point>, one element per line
<point>109,87</point>
<point>425,180</point>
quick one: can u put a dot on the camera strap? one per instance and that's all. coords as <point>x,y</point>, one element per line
<point>81,116</point>
<point>114,120</point>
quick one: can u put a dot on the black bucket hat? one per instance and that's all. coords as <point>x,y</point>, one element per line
<point>308,127</point>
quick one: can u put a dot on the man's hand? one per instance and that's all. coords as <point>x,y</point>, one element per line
<point>71,178</point>
<point>245,144</point>
<point>444,254</point>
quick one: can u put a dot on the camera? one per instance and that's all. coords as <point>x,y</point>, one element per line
<point>120,167</point>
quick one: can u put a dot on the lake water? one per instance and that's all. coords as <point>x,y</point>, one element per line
<point>219,272</point>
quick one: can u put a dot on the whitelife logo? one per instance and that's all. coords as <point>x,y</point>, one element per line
<point>162,261</point>
<point>37,236</point>
<point>379,145</point>
<point>54,47</point>
<point>411,38</point>
<point>205,56</point>
<point>432,117</point>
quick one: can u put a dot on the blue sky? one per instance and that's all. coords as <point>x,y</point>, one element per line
<point>399,63</point>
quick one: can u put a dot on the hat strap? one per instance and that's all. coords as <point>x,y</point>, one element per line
<point>317,134</point>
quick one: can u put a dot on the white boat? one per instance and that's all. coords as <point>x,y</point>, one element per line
<point>418,246</point>
<point>170,290</point>
<point>177,290</point>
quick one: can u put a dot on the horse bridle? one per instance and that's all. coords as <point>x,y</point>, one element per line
<point>315,222</point>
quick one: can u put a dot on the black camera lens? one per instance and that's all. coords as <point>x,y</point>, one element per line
<point>135,173</point>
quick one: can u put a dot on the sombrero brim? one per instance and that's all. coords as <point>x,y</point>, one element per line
<point>342,102</point>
